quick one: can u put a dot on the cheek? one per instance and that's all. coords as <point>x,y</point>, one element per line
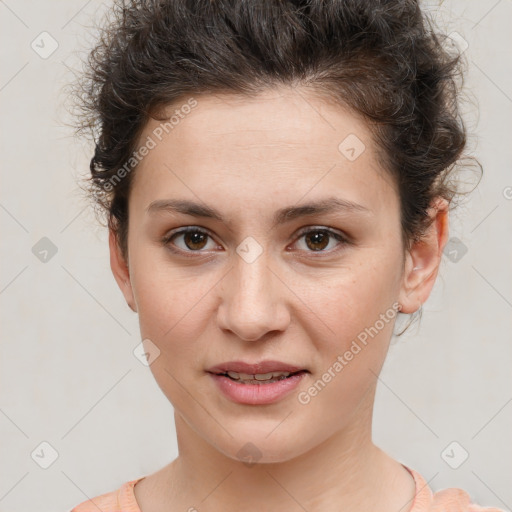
<point>171,303</point>
<point>351,355</point>
<point>353,297</point>
<point>358,310</point>
<point>173,314</point>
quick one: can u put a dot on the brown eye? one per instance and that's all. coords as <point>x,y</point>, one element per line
<point>317,240</point>
<point>193,240</point>
<point>321,240</point>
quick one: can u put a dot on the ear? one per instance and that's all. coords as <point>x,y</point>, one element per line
<point>423,259</point>
<point>120,270</point>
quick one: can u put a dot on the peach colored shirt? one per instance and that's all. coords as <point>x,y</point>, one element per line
<point>446,500</point>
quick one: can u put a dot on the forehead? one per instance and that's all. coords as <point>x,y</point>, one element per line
<point>283,143</point>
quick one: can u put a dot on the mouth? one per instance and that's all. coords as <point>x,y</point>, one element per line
<point>262,383</point>
<point>263,372</point>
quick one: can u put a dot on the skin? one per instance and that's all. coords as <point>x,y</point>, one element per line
<point>248,158</point>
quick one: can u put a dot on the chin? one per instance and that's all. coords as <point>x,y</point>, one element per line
<point>262,446</point>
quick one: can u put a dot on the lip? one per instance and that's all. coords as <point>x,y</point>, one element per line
<point>257,394</point>
<point>254,368</point>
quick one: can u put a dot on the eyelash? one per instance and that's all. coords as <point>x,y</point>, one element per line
<point>191,229</point>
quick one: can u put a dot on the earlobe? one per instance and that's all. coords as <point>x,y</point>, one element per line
<point>121,271</point>
<point>424,258</point>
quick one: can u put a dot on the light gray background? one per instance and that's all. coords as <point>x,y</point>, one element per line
<point>68,374</point>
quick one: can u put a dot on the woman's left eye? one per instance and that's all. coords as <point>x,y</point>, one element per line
<point>195,239</point>
<point>318,239</point>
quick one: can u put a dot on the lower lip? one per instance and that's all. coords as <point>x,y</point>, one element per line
<point>257,394</point>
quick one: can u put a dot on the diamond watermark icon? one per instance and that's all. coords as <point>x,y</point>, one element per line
<point>44,250</point>
<point>146,352</point>
<point>249,454</point>
<point>455,249</point>
<point>249,250</point>
<point>454,455</point>
<point>44,45</point>
<point>455,41</point>
<point>44,455</point>
<point>351,147</point>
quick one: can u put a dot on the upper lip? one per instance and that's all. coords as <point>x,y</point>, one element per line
<point>254,368</point>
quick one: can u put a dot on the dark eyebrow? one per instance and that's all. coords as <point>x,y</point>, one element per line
<point>329,205</point>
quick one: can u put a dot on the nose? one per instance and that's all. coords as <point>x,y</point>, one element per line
<point>253,300</point>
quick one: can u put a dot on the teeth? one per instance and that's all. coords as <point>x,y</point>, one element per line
<point>259,376</point>
<point>274,375</point>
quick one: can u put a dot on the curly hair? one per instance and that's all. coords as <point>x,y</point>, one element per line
<point>383,59</point>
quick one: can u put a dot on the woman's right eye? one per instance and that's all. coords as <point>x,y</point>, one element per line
<point>192,240</point>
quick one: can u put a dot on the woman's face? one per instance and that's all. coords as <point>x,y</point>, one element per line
<point>265,281</point>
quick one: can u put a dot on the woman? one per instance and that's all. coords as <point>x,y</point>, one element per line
<point>277,178</point>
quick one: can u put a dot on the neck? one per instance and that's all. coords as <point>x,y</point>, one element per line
<point>346,469</point>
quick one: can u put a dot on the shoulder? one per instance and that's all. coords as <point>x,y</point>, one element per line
<point>120,500</point>
<point>445,500</point>
<point>457,500</point>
